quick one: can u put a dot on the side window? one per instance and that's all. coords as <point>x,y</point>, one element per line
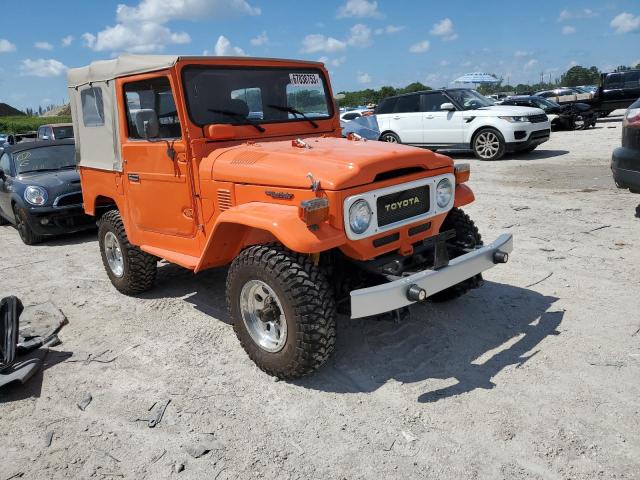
<point>613,81</point>
<point>41,132</point>
<point>631,79</point>
<point>431,102</point>
<point>153,94</point>
<point>92,107</point>
<point>5,164</point>
<point>386,106</point>
<point>407,104</point>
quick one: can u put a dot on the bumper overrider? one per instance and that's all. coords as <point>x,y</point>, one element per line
<point>419,286</point>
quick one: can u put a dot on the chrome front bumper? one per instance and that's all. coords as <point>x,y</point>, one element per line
<point>393,295</point>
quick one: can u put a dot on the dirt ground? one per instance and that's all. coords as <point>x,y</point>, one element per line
<point>534,376</point>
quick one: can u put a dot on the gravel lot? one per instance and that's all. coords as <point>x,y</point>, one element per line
<point>534,376</point>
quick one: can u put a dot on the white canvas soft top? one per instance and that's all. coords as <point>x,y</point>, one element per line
<point>104,70</point>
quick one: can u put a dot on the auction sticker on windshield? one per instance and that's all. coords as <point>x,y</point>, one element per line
<point>304,79</point>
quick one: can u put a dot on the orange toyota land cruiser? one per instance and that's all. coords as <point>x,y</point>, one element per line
<point>211,161</point>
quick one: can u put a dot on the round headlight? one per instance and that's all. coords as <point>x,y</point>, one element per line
<point>35,195</point>
<point>360,216</point>
<point>444,192</point>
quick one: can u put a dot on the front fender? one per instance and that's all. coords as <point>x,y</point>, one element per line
<point>258,222</point>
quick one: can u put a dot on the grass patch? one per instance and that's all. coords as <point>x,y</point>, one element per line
<point>28,124</point>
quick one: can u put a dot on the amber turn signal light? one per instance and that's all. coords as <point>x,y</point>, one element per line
<point>462,172</point>
<point>314,211</point>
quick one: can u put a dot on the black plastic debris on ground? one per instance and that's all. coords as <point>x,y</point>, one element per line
<point>23,330</point>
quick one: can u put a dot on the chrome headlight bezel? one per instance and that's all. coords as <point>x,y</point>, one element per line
<point>35,195</point>
<point>356,222</point>
<point>444,193</point>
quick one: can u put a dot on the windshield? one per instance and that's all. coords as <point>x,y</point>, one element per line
<point>545,103</point>
<point>469,99</point>
<point>55,157</point>
<point>256,95</point>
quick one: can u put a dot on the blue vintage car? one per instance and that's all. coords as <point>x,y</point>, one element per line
<point>40,190</point>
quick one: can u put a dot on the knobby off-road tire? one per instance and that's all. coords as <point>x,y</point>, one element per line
<point>488,144</point>
<point>27,235</point>
<point>468,236</point>
<point>297,287</point>
<point>138,268</point>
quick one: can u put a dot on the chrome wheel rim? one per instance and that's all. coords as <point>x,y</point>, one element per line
<point>390,139</point>
<point>114,254</point>
<point>263,315</point>
<point>487,144</point>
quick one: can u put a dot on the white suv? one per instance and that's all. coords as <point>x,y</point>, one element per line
<point>460,118</point>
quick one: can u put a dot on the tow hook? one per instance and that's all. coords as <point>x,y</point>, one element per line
<point>416,294</point>
<point>500,257</point>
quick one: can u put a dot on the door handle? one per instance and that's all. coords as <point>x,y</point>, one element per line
<point>429,117</point>
<point>396,118</point>
<point>134,177</point>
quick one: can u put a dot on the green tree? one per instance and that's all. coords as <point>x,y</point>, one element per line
<point>579,75</point>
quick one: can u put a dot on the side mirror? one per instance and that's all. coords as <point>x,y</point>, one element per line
<point>146,122</point>
<point>448,106</point>
<point>220,131</point>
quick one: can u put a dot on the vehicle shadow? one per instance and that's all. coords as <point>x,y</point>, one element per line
<point>462,345</point>
<point>535,155</point>
<point>205,290</point>
<point>32,388</point>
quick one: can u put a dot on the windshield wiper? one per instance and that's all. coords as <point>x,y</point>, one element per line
<point>295,111</point>
<point>229,113</point>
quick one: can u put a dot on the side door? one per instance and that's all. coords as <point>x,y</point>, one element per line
<point>441,127</point>
<point>158,187</point>
<point>384,112</point>
<point>406,119</point>
<point>6,186</point>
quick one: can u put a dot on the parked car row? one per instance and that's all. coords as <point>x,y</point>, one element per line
<point>575,116</point>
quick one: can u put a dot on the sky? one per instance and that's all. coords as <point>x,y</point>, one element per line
<point>364,43</point>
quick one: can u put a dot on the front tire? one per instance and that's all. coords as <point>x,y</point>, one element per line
<point>27,235</point>
<point>467,236</point>
<point>489,144</point>
<point>390,137</point>
<point>283,310</point>
<point>130,269</point>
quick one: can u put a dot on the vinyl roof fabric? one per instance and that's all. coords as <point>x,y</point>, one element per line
<point>104,70</point>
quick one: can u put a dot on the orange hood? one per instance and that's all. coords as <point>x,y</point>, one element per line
<point>336,162</point>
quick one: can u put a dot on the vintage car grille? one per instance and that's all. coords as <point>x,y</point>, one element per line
<point>68,199</point>
<point>402,205</point>
<point>538,118</point>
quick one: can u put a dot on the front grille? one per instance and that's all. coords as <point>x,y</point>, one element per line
<point>402,205</point>
<point>68,199</point>
<point>224,199</point>
<point>538,118</point>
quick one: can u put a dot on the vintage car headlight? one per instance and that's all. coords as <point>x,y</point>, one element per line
<point>444,192</point>
<point>35,195</point>
<point>516,119</point>
<point>360,215</point>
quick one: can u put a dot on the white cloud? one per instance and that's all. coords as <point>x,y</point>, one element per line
<point>161,11</point>
<point>363,78</point>
<point>359,9</point>
<point>625,23</point>
<point>521,54</point>
<point>530,64</point>
<point>66,41</point>
<point>261,39</point>
<point>444,29</point>
<point>568,30</point>
<point>567,14</point>
<point>445,63</point>
<point>141,29</point>
<point>359,36</point>
<point>334,62</point>
<point>224,48</point>
<point>43,46</point>
<point>42,67</point>
<point>420,47</point>
<point>142,38</point>
<point>389,29</point>
<point>319,43</point>
<point>6,46</point>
